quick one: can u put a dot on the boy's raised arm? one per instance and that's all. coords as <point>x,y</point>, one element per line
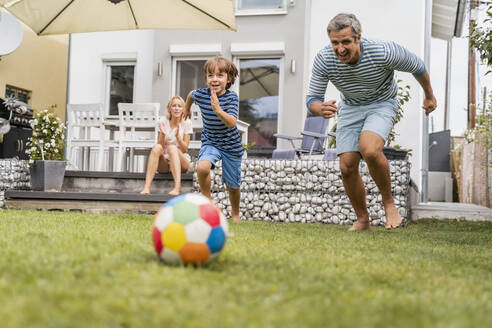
<point>188,103</point>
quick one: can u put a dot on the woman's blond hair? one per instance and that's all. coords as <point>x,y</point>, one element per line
<point>168,114</point>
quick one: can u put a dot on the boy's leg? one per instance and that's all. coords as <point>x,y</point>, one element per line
<point>208,156</point>
<point>234,198</point>
<point>231,176</point>
<point>203,174</point>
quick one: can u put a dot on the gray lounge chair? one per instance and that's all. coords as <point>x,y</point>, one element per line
<point>313,139</point>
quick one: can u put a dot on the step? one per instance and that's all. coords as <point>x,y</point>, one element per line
<point>458,211</point>
<point>93,202</point>
<point>121,182</point>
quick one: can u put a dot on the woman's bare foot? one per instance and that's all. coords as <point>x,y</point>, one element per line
<point>360,225</point>
<point>175,192</point>
<point>393,218</point>
<point>145,191</point>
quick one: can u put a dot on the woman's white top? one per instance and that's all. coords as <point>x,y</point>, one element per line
<point>184,128</point>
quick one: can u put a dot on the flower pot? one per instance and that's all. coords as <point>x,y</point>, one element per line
<point>395,153</point>
<point>47,175</point>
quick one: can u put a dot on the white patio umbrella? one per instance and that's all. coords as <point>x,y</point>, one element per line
<point>75,16</point>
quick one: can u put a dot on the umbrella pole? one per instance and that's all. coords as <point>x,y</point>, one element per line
<point>67,94</point>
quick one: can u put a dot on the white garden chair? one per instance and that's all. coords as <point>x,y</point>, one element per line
<point>85,130</point>
<point>138,131</point>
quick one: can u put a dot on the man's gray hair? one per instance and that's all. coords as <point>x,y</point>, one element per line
<point>341,21</point>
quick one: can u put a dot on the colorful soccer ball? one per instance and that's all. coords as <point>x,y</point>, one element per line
<point>189,229</point>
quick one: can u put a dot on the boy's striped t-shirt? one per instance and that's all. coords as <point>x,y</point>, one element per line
<point>368,81</point>
<point>214,131</point>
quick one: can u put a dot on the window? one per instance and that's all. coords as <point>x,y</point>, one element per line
<point>119,85</point>
<point>259,100</point>
<point>188,76</point>
<point>261,7</point>
<point>19,94</point>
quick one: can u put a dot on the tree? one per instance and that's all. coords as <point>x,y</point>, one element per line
<point>481,38</point>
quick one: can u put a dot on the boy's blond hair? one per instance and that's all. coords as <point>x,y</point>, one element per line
<point>223,65</point>
<point>168,114</point>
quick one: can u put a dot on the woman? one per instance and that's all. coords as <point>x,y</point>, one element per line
<point>171,148</point>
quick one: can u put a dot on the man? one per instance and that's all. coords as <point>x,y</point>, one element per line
<point>363,71</point>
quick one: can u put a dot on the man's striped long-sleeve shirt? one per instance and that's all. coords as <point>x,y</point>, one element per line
<point>368,81</point>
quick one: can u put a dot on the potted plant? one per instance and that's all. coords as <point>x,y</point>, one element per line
<point>395,151</point>
<point>45,149</point>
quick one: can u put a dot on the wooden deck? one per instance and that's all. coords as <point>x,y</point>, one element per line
<point>99,192</point>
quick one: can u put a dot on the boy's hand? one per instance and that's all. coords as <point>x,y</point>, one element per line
<point>214,100</point>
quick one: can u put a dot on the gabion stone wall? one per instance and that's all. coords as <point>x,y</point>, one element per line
<point>307,191</point>
<point>14,174</point>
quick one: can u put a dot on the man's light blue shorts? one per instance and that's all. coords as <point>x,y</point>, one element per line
<point>352,120</point>
<point>231,165</point>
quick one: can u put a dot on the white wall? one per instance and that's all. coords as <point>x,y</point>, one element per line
<point>401,21</point>
<point>87,81</point>
<point>458,115</point>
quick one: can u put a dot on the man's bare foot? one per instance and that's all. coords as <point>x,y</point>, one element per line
<point>360,225</point>
<point>175,192</point>
<point>393,218</point>
<point>236,219</point>
<point>145,191</point>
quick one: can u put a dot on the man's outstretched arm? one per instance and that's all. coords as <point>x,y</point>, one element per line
<point>429,100</point>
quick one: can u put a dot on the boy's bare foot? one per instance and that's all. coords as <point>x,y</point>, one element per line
<point>393,218</point>
<point>145,191</point>
<point>236,219</point>
<point>360,225</point>
<point>174,192</point>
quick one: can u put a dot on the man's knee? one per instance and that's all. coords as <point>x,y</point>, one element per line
<point>370,154</point>
<point>348,167</point>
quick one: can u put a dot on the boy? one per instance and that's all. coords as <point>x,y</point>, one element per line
<point>220,137</point>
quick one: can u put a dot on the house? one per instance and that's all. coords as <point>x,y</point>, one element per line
<point>36,72</point>
<point>274,47</point>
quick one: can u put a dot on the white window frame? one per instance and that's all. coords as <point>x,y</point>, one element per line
<point>193,51</point>
<point>261,11</point>
<point>118,59</point>
<point>174,85</point>
<point>259,54</point>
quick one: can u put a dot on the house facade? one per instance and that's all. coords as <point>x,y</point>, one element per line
<point>36,72</point>
<point>273,48</point>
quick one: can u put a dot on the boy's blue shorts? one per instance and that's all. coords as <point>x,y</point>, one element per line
<point>231,165</point>
<point>352,120</point>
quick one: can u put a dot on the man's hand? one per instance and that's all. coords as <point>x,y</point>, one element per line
<point>326,109</point>
<point>429,105</point>
<point>214,100</point>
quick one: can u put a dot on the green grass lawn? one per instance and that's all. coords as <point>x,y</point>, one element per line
<point>62,269</point>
